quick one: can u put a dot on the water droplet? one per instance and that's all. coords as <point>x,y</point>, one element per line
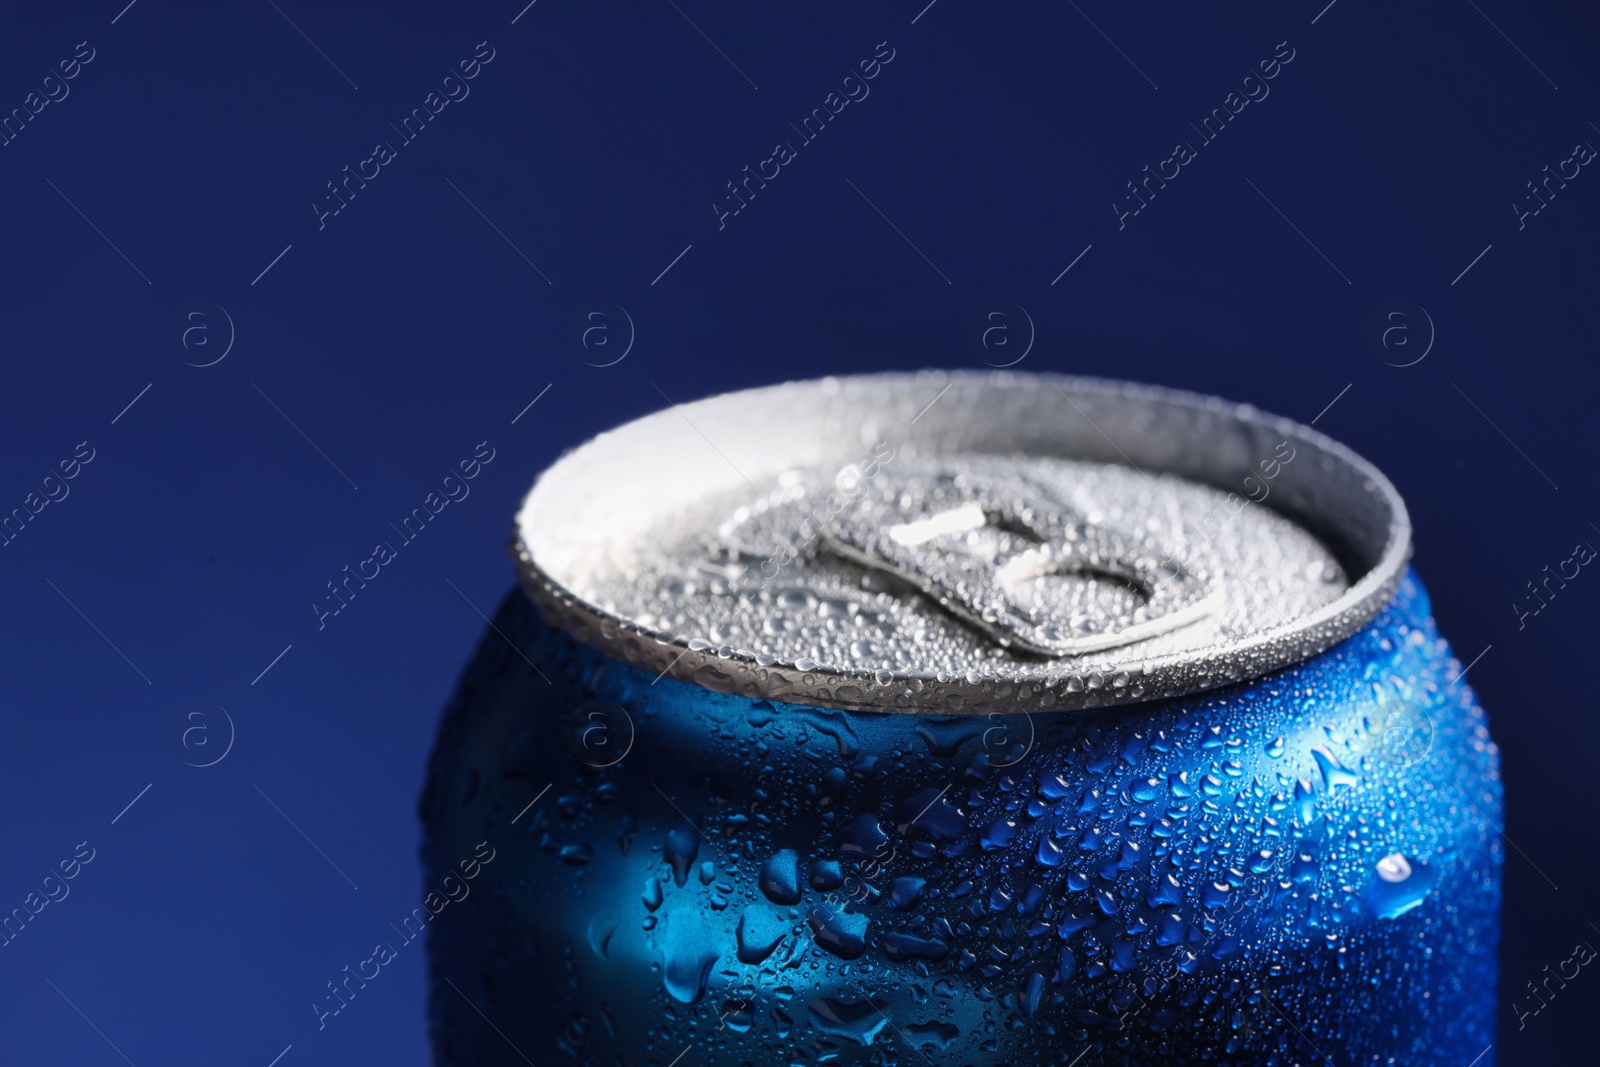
<point>945,736</point>
<point>863,837</point>
<point>826,874</point>
<point>652,893</point>
<point>998,834</point>
<point>1398,885</point>
<point>601,928</point>
<point>934,1034</point>
<point>738,1015</point>
<point>899,947</point>
<point>686,956</point>
<point>1165,893</point>
<point>1031,994</point>
<point>930,813</point>
<point>859,1022</point>
<point>905,891</point>
<point>683,844</point>
<point>838,931</point>
<point>760,929</point>
<point>1334,774</point>
<point>780,877</point>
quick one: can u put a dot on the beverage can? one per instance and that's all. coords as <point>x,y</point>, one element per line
<point>972,718</point>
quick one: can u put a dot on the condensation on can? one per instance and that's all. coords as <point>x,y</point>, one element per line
<point>1030,745</point>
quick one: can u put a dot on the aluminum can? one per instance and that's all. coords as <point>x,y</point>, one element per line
<point>964,719</point>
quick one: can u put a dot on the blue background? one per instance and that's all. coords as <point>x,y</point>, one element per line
<point>189,152</point>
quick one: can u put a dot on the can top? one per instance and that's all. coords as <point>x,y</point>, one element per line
<point>961,543</point>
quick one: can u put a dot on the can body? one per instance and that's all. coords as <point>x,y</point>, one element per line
<point>1303,867</point>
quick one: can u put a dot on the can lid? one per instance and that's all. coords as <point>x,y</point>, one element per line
<point>961,542</point>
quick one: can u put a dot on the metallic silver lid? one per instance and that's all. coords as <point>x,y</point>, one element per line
<point>961,542</point>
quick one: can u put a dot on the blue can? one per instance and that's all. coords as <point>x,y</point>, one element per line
<point>968,719</point>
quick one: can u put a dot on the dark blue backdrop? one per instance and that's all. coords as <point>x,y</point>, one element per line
<point>172,196</point>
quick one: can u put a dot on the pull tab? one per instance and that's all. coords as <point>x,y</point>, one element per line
<point>1006,556</point>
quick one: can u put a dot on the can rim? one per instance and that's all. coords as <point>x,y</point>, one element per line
<point>1365,510</point>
